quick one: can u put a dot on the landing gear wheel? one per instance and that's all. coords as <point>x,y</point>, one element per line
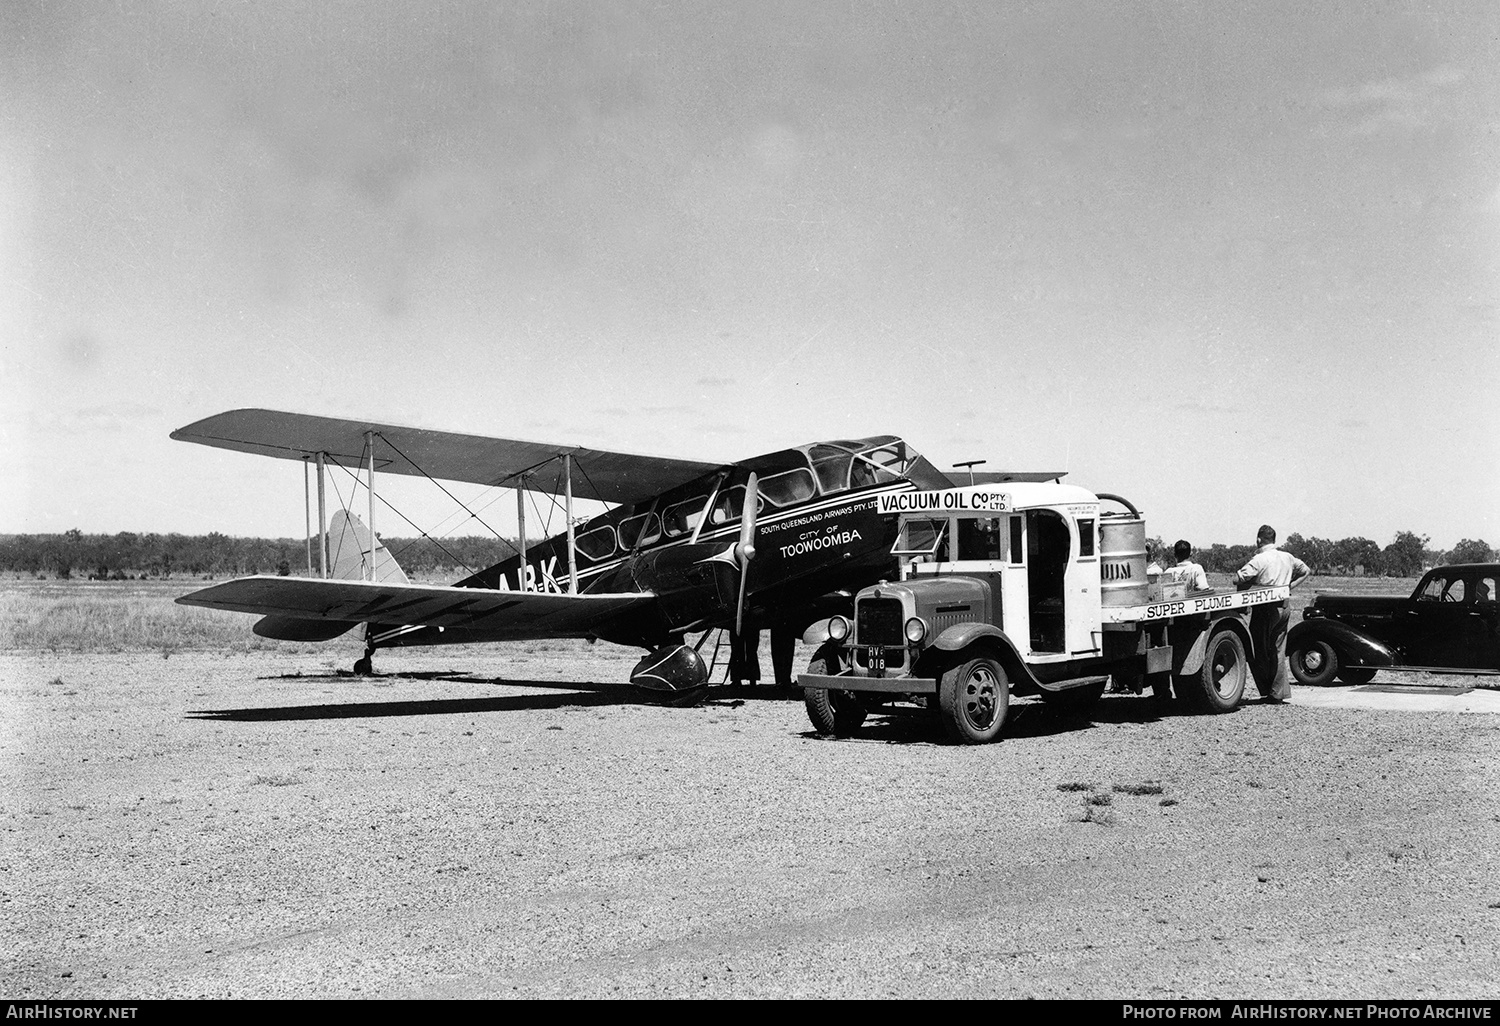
<point>974,697</point>
<point>839,713</point>
<point>363,667</point>
<point>1217,686</point>
<point>1356,675</point>
<point>1314,663</point>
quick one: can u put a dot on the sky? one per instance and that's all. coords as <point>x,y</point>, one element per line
<point>1237,262</point>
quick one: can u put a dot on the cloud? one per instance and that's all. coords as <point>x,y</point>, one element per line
<point>1404,103</point>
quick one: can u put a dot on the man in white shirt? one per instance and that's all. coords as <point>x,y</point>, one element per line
<point>1186,570</point>
<point>1270,567</point>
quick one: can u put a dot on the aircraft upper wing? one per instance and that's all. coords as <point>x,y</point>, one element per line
<point>524,614</point>
<point>614,477</point>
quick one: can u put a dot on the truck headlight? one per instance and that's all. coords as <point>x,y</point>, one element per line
<point>916,629</point>
<point>838,628</point>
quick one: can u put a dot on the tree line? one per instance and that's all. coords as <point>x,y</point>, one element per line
<point>1406,556</point>
<point>129,555</point>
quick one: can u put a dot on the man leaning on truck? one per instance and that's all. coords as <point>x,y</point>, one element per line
<point>1270,568</point>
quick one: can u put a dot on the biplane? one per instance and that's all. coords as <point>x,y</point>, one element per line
<point>776,542</point>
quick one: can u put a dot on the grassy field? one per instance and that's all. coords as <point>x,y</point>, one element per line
<point>142,616</point>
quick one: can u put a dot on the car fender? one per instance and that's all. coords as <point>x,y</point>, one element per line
<point>1192,655</point>
<point>1354,646</point>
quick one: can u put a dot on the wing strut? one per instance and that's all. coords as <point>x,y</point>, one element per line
<point>521,524</point>
<point>370,485</point>
<point>568,515</point>
<point>322,522</point>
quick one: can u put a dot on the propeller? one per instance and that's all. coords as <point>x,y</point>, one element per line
<point>744,550</point>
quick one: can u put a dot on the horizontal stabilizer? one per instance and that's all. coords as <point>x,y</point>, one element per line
<point>506,615</point>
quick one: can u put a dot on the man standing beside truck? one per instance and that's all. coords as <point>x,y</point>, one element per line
<point>1270,567</point>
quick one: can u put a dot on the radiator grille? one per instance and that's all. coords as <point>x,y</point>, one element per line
<point>878,622</point>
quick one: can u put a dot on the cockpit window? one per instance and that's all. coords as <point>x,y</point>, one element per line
<point>832,466</point>
<point>788,488</point>
<point>888,462</point>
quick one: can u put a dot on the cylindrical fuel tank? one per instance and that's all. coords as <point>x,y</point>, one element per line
<point>1122,560</point>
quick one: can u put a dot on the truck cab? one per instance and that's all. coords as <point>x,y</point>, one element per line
<point>1026,588</point>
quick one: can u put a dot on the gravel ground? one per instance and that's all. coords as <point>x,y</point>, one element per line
<point>261,826</point>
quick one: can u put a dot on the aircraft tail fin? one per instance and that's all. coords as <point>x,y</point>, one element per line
<point>349,552</point>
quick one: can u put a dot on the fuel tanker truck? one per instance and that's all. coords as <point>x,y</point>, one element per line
<point>1023,589</point>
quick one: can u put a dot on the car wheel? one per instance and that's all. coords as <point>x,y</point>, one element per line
<point>1314,663</point>
<point>1218,684</point>
<point>974,697</point>
<point>839,713</point>
<point>1356,675</point>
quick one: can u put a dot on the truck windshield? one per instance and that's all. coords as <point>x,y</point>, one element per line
<point>979,538</point>
<point>923,538</point>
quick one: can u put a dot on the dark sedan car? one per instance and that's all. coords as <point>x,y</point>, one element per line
<point>1450,624</point>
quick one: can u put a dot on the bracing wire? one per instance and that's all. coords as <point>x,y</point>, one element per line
<point>386,503</point>
<point>445,491</point>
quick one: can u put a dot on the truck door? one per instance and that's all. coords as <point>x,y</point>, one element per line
<point>1048,547</point>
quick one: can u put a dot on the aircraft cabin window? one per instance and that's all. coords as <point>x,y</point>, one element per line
<point>598,543</point>
<point>639,530</point>
<point>729,505</point>
<point>788,488</point>
<point>681,518</point>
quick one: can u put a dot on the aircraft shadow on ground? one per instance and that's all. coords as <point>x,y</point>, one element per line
<point>569,694</point>
<point>1025,720</point>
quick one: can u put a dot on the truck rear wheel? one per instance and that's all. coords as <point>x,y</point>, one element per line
<point>974,697</point>
<point>839,713</point>
<point>1217,685</point>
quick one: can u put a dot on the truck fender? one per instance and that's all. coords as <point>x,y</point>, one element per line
<point>1192,655</point>
<point>1354,646</point>
<point>964,635</point>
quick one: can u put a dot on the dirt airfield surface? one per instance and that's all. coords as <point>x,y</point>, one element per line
<point>261,826</point>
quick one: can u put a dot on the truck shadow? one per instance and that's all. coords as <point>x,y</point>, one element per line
<point>1027,719</point>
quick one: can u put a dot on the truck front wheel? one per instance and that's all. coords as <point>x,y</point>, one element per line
<point>839,713</point>
<point>1218,684</point>
<point>974,697</point>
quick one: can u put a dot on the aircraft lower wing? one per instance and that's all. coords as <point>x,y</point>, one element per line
<point>518,614</point>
